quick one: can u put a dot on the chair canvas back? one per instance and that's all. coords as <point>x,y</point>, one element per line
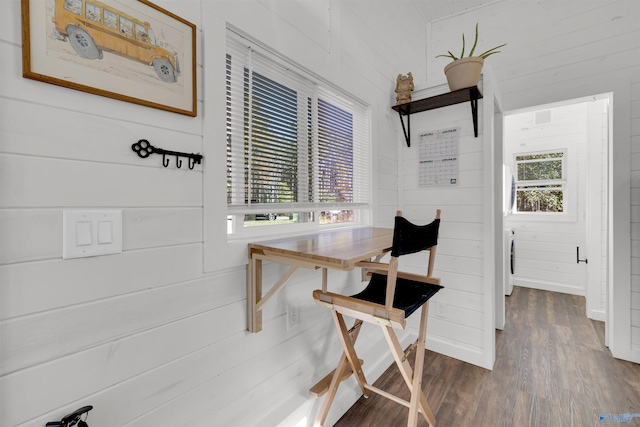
<point>409,238</point>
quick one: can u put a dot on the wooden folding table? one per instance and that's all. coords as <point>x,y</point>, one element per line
<point>338,250</point>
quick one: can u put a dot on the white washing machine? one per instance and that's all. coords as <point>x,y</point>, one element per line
<point>509,199</point>
<point>510,259</point>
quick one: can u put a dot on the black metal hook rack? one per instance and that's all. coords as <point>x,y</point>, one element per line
<point>144,149</point>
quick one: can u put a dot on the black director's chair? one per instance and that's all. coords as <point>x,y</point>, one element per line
<point>388,300</point>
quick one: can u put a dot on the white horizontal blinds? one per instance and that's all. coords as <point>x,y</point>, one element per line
<point>274,142</point>
<point>289,140</point>
<point>311,151</point>
<point>229,132</point>
<point>361,154</point>
<point>335,153</point>
<point>238,58</point>
<point>267,112</point>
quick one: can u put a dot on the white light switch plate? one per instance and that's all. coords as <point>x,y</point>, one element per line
<point>91,233</point>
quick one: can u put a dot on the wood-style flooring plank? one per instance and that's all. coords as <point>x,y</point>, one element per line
<point>552,369</point>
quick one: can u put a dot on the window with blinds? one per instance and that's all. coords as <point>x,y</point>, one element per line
<point>297,149</point>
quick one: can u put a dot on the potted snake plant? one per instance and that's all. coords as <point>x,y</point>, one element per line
<point>465,72</point>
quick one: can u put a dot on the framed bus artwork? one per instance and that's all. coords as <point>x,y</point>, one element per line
<point>131,50</point>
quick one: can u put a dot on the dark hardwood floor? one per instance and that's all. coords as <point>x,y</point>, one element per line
<point>552,369</point>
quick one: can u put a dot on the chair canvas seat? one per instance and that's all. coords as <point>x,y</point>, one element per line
<point>409,295</point>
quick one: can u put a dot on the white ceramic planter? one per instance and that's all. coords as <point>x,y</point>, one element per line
<point>464,72</point>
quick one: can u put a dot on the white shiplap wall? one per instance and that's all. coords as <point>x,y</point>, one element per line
<point>460,332</point>
<point>556,51</point>
<point>469,240</point>
<point>635,213</point>
<point>147,336</point>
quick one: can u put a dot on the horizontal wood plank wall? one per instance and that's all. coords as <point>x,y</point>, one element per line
<point>106,330</point>
<point>543,53</point>
<point>146,336</point>
<point>460,257</point>
<point>555,52</point>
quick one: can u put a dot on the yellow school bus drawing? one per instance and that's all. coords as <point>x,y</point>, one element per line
<point>91,27</point>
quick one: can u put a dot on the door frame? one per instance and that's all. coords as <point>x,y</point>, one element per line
<point>501,251</point>
<point>595,234</point>
<point>597,182</point>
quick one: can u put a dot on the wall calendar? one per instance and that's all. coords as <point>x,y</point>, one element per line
<point>438,158</point>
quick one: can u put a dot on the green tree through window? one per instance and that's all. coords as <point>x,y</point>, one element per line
<point>540,182</point>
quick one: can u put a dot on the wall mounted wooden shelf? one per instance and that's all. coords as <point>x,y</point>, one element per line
<point>471,94</point>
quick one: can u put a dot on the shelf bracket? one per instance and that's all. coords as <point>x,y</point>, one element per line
<point>407,130</point>
<point>474,111</point>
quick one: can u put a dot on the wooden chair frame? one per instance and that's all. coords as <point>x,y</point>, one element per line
<point>388,318</point>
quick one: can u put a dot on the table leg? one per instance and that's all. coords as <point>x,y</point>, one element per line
<point>254,295</point>
<point>365,271</point>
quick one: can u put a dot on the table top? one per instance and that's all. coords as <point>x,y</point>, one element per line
<point>338,249</point>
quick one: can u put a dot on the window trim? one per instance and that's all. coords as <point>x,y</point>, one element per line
<point>567,183</point>
<point>362,203</point>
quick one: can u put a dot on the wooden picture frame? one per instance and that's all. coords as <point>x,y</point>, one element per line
<point>130,50</point>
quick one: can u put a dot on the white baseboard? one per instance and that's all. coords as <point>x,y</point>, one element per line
<point>466,353</point>
<point>599,315</point>
<point>548,286</point>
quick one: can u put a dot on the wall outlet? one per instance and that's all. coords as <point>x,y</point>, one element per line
<point>293,316</point>
<point>441,310</point>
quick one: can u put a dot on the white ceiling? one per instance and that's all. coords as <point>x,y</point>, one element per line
<point>435,9</point>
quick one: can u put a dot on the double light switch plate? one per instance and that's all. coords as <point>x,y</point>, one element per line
<point>91,233</point>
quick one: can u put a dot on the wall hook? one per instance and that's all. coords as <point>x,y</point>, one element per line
<point>578,260</point>
<point>144,149</point>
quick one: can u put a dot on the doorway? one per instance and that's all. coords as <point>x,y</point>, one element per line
<point>558,154</point>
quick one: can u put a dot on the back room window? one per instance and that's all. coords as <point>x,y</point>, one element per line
<point>540,182</point>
